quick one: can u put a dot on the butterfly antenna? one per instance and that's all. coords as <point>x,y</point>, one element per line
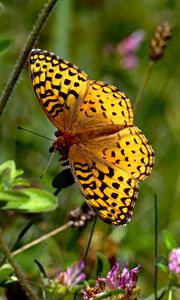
<point>51,157</point>
<point>38,134</point>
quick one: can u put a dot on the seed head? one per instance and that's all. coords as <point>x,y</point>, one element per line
<point>159,42</point>
<point>81,216</point>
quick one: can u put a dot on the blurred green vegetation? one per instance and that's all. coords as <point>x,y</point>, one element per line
<point>81,31</point>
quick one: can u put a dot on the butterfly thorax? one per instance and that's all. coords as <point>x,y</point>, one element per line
<point>63,144</point>
<point>67,139</point>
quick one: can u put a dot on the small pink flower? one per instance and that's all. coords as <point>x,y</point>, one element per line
<point>72,275</point>
<point>131,43</point>
<point>174,261</point>
<point>129,62</point>
<point>128,47</point>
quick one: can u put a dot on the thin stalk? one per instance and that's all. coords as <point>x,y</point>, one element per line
<point>143,86</point>
<point>24,54</point>
<point>155,247</point>
<point>42,238</point>
<point>90,238</point>
<point>170,294</point>
<point>30,293</point>
<point>87,248</point>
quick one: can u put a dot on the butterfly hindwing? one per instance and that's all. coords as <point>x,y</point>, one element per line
<point>107,189</point>
<point>127,149</point>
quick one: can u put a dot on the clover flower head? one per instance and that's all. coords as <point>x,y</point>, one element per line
<point>174,261</point>
<point>72,275</point>
<point>123,279</point>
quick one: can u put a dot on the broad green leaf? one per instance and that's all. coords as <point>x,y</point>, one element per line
<point>169,240</point>
<point>12,198</point>
<point>6,271</point>
<point>103,265</point>
<point>9,174</point>
<point>29,200</point>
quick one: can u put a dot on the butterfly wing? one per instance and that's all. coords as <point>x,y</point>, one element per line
<point>107,170</point>
<point>104,105</point>
<point>58,85</point>
<point>110,191</point>
<point>70,100</point>
<point>128,150</point>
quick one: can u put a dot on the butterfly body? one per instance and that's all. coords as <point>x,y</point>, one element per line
<point>107,153</point>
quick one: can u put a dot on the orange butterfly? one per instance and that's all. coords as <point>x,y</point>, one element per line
<point>107,153</point>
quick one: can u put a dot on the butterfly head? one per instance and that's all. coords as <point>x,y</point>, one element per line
<point>63,144</point>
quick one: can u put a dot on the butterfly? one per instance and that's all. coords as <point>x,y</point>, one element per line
<point>108,155</point>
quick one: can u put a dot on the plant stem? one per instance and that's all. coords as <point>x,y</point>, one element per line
<point>24,54</point>
<point>155,246</point>
<point>143,86</point>
<point>42,238</point>
<point>170,294</point>
<point>87,248</point>
<point>90,238</point>
<point>30,293</point>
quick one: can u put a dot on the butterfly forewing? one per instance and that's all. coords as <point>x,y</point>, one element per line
<point>58,85</point>
<point>104,104</point>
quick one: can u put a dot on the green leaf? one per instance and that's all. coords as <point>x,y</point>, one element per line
<point>5,173</point>
<point>9,164</point>
<point>20,182</point>
<point>9,174</point>
<point>30,200</point>
<point>41,268</point>
<point>12,199</point>
<point>6,271</point>
<point>162,263</point>
<point>5,44</point>
<point>103,265</point>
<point>169,240</point>
<point>110,293</point>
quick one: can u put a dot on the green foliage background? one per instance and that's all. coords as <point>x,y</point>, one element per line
<point>79,31</point>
